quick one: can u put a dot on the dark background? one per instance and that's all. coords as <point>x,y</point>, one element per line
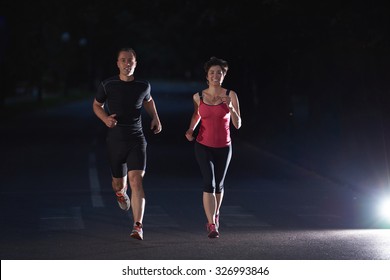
<point>311,76</point>
<point>310,162</point>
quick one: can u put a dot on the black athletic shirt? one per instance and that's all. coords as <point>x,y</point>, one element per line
<point>124,99</point>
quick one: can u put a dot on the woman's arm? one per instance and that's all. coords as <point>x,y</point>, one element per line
<point>234,108</point>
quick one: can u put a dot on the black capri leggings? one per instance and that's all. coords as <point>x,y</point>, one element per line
<point>213,163</point>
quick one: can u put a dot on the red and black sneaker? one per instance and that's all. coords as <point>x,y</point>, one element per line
<point>212,231</point>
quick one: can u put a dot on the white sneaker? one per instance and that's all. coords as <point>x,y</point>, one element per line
<point>123,200</point>
<point>137,231</point>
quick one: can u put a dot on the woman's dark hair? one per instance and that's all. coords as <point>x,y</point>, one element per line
<point>216,61</point>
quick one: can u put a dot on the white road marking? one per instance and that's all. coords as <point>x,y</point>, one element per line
<point>61,219</point>
<point>97,200</point>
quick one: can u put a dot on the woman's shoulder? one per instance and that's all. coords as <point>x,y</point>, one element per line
<point>198,94</point>
<point>196,97</point>
<point>230,91</point>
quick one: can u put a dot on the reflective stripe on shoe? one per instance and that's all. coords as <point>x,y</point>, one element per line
<point>217,221</point>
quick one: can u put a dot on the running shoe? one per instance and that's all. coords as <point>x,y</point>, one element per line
<point>123,200</point>
<point>212,231</point>
<point>137,231</point>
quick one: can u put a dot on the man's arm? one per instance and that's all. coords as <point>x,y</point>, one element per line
<point>150,108</point>
<point>108,120</point>
<point>194,119</point>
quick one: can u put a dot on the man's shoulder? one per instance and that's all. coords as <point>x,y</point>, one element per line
<point>143,85</point>
<point>142,82</point>
<point>139,83</point>
<point>110,80</point>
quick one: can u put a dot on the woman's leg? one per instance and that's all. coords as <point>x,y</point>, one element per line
<point>222,159</point>
<point>210,206</point>
<point>206,166</point>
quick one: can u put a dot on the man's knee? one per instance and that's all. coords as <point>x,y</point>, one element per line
<point>118,184</point>
<point>135,179</point>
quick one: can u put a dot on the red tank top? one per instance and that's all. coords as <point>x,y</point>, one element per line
<point>214,128</point>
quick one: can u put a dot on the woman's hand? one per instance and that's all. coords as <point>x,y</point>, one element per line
<point>227,100</point>
<point>189,134</point>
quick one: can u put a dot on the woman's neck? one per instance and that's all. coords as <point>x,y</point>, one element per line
<point>214,90</point>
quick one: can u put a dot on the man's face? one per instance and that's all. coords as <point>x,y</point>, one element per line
<point>126,63</point>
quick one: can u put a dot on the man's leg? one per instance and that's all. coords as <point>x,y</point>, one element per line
<point>137,201</point>
<point>119,185</point>
<point>137,194</point>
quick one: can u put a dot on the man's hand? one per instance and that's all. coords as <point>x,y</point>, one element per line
<point>110,121</point>
<point>156,126</point>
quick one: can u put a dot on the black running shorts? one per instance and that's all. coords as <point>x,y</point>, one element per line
<point>126,155</point>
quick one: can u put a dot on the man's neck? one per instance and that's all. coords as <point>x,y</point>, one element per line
<point>126,78</point>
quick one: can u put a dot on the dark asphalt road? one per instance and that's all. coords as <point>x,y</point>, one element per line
<point>57,203</point>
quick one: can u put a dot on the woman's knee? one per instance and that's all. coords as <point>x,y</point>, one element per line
<point>219,189</point>
<point>209,188</point>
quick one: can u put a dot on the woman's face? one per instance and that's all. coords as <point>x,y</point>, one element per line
<point>215,75</point>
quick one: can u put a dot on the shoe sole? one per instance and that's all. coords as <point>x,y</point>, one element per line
<point>127,208</point>
<point>136,235</point>
<point>124,209</point>
<point>213,234</point>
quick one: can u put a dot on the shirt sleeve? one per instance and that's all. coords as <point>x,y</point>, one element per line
<point>147,92</point>
<point>101,95</point>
